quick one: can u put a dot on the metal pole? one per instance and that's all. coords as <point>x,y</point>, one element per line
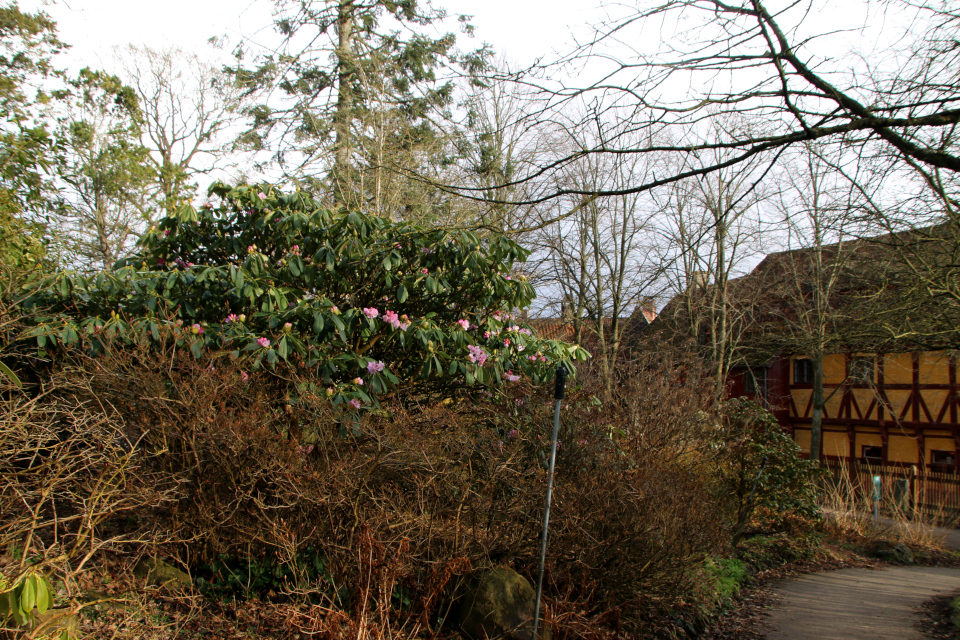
<point>558,396</point>
<point>876,500</point>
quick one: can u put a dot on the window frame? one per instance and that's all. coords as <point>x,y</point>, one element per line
<point>807,368</point>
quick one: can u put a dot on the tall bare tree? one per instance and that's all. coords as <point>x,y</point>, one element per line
<point>192,113</point>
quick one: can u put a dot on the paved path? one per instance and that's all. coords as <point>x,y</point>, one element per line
<point>860,604</point>
<point>857,604</point>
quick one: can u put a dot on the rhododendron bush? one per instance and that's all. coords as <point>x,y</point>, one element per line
<point>367,305</point>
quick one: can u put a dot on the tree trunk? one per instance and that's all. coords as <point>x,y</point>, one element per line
<point>816,418</point>
<point>343,116</point>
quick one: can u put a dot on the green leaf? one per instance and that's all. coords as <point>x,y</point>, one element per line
<point>43,596</point>
<point>28,597</point>
<point>402,294</point>
<point>8,372</point>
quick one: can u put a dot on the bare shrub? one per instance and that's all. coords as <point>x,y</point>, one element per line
<point>370,522</point>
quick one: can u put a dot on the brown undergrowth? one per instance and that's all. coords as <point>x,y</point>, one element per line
<point>323,523</point>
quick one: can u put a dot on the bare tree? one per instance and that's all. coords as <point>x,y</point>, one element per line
<point>720,59</point>
<point>190,111</point>
<point>811,292</point>
<point>712,228</point>
<point>596,265</point>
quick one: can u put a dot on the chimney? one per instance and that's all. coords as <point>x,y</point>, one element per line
<point>700,279</point>
<point>648,307</point>
<point>566,309</point>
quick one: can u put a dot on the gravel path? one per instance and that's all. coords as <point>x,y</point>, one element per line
<point>856,604</point>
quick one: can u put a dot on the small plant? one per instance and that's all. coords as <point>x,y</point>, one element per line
<point>31,592</point>
<point>727,576</point>
<point>766,477</point>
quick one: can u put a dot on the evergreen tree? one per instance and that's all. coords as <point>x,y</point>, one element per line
<point>27,150</point>
<point>365,63</point>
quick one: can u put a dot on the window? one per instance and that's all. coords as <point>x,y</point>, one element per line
<point>754,381</point>
<point>941,457</point>
<point>803,371</point>
<point>861,369</point>
<point>871,453</point>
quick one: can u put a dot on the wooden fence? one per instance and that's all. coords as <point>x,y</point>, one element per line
<point>904,489</point>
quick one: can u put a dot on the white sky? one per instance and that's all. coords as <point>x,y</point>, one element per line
<point>93,27</point>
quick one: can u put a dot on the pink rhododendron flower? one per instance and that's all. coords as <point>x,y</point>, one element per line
<point>464,324</point>
<point>371,312</point>
<point>231,318</point>
<point>166,232</point>
<point>374,367</point>
<point>526,332</point>
<point>486,334</point>
<point>404,326</point>
<point>262,195</point>
<point>520,347</point>
<point>506,342</point>
<point>514,328</point>
<point>358,381</point>
<point>355,403</point>
<point>263,342</point>
<point>512,433</point>
<point>511,378</point>
<point>509,278</point>
<point>196,330</point>
<point>391,318</point>
<point>250,249</point>
<point>244,376</point>
<point>424,271</point>
<point>477,354</point>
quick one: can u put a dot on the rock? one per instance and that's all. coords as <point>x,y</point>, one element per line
<point>159,573</point>
<point>900,553</point>
<point>497,604</point>
<point>55,621</point>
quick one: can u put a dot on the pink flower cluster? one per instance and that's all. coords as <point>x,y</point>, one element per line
<point>355,403</point>
<point>464,324</point>
<point>374,366</point>
<point>263,342</point>
<point>477,354</point>
<point>395,321</point>
<point>536,357</point>
<point>371,312</point>
<point>510,377</point>
<point>196,330</point>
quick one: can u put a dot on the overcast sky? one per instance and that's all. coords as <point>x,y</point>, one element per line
<point>523,29</point>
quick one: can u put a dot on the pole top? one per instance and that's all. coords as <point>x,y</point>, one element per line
<point>561,382</point>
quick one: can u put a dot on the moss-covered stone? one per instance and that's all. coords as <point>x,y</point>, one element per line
<point>498,603</point>
<point>159,573</point>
